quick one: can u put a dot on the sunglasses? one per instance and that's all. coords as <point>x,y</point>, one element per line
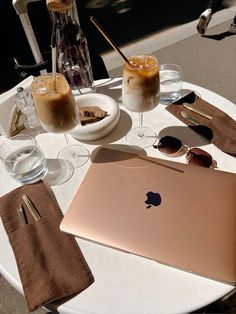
<point>172,146</point>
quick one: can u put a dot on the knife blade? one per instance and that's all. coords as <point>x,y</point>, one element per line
<point>33,210</point>
<point>196,110</point>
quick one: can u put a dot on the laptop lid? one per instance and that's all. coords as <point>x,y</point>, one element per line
<point>177,214</point>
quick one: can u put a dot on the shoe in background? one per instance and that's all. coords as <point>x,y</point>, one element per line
<point>204,20</point>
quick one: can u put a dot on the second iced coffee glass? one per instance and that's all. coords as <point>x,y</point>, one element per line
<point>58,112</point>
<point>141,93</point>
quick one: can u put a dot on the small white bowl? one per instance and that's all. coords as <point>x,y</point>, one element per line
<point>96,130</point>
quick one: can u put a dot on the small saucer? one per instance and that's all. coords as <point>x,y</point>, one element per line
<point>96,130</point>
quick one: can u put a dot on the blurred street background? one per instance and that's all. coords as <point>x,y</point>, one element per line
<point>125,21</point>
<point>130,20</point>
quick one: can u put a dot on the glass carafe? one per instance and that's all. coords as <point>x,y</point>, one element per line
<point>73,59</point>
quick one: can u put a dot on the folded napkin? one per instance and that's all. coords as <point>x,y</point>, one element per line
<point>11,121</point>
<point>222,128</point>
<point>50,262</point>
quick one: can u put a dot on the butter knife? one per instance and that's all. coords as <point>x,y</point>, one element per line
<point>33,210</point>
<point>196,110</point>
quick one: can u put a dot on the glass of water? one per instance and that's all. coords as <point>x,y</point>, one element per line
<point>171,82</point>
<point>23,159</point>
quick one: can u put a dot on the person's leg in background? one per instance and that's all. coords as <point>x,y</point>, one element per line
<point>214,5</point>
<point>205,17</point>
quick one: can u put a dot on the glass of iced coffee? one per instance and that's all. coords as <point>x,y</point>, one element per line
<point>141,93</point>
<point>55,105</point>
<point>58,112</point>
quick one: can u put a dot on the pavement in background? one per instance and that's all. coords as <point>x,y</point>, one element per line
<point>208,61</point>
<point>145,18</point>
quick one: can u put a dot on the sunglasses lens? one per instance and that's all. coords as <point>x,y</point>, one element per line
<point>169,145</point>
<point>196,156</point>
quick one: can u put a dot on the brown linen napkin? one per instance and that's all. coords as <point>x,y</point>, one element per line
<point>50,262</point>
<point>221,127</point>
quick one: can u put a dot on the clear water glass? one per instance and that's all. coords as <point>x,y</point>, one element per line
<point>171,82</point>
<point>23,159</point>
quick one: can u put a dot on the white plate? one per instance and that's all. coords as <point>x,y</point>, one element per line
<point>96,130</point>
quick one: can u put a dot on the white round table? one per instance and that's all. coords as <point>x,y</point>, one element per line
<point>125,283</point>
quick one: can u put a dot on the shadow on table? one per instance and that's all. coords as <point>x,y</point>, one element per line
<point>185,134</point>
<point>219,36</point>
<point>59,171</point>
<point>118,157</point>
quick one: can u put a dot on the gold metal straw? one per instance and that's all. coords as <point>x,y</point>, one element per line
<point>108,38</point>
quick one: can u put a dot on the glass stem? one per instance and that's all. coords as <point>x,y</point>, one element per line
<point>141,134</point>
<point>66,138</point>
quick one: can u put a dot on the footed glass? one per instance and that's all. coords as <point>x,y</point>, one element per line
<point>141,93</point>
<point>58,112</point>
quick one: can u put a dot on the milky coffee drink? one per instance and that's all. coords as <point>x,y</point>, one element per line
<point>141,83</point>
<point>54,102</point>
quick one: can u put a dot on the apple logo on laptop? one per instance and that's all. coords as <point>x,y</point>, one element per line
<point>153,199</point>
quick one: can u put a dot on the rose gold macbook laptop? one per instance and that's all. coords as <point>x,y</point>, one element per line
<point>180,215</point>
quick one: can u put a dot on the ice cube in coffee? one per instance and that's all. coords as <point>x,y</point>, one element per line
<point>141,83</point>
